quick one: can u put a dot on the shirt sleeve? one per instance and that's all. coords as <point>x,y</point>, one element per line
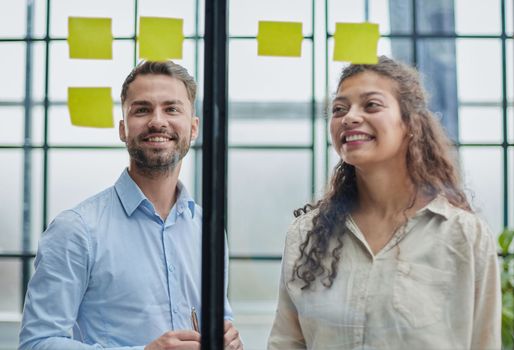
<point>56,289</point>
<point>487,312</point>
<point>286,332</point>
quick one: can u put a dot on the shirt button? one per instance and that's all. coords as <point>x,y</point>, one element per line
<point>174,310</point>
<point>171,268</point>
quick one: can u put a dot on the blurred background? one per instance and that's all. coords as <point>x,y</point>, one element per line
<point>279,151</point>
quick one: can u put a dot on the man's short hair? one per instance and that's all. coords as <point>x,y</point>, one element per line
<point>168,68</point>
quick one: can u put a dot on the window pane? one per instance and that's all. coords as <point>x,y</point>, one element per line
<point>400,16</point>
<point>10,293</point>
<point>483,178</point>
<point>11,193</point>
<point>435,16</point>
<point>510,72</point>
<point>254,281</point>
<point>66,72</point>
<point>479,79</point>
<point>121,12</point>
<point>480,124</point>
<point>379,12</point>
<point>36,198</point>
<point>38,124</point>
<point>478,16</point>
<point>12,130</point>
<point>245,14</point>
<point>38,71</point>
<point>9,330</point>
<point>266,186</point>
<point>253,123</point>
<point>290,76</point>
<point>173,9</point>
<point>400,49</point>
<point>510,125</point>
<point>187,172</point>
<point>78,174</point>
<point>508,11</point>
<point>39,18</point>
<point>253,294</point>
<point>61,132</point>
<point>13,23</point>
<point>12,70</point>
<point>344,11</point>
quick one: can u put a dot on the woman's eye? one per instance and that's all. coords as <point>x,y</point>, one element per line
<point>373,105</point>
<point>338,110</point>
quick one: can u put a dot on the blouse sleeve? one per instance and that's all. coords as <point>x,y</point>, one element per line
<point>286,332</point>
<point>487,312</point>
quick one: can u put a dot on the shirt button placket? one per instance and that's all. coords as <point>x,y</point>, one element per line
<point>170,277</point>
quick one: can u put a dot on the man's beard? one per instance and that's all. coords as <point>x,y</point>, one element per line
<point>158,161</point>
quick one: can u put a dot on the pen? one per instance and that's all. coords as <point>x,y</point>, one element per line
<point>194,320</point>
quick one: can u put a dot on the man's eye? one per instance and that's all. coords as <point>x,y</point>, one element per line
<point>141,110</point>
<point>171,110</point>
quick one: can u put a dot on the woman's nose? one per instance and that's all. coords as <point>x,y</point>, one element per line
<point>352,117</point>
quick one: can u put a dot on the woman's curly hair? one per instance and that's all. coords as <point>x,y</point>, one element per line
<point>429,164</point>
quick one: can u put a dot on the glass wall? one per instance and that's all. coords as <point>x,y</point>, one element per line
<point>279,151</point>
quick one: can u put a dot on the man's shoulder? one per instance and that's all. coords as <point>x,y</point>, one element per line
<point>89,210</point>
<point>99,201</point>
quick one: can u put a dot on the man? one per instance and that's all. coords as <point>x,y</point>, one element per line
<point>122,270</point>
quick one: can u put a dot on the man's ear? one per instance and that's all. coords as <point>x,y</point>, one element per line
<point>121,131</point>
<point>195,127</point>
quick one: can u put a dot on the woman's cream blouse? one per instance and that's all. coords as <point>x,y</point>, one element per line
<point>435,285</point>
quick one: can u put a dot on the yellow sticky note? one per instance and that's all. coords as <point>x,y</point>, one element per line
<point>91,106</point>
<point>280,39</point>
<point>90,38</point>
<point>160,38</point>
<point>356,42</point>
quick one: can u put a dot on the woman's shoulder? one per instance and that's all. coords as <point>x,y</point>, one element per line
<point>302,223</point>
<point>465,224</point>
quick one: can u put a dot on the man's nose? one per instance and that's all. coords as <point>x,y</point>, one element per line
<point>158,120</point>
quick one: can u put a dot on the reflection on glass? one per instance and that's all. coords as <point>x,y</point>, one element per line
<point>265,186</point>
<point>482,173</point>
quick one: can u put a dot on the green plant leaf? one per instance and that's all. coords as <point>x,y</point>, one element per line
<point>505,239</point>
<point>507,330</point>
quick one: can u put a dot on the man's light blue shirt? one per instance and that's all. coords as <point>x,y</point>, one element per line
<point>117,274</point>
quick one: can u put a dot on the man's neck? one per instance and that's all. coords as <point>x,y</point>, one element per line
<point>159,187</point>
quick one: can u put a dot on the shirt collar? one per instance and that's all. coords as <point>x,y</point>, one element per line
<point>131,195</point>
<point>439,205</point>
<point>184,200</point>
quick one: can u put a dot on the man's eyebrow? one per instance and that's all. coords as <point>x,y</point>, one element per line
<point>140,103</point>
<point>173,102</point>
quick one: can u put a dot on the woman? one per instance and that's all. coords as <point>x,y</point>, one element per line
<point>392,257</point>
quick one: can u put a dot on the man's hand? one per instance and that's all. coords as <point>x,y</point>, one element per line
<point>231,337</point>
<point>177,340</point>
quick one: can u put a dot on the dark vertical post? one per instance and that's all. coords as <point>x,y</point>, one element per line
<point>214,164</point>
<point>27,150</point>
